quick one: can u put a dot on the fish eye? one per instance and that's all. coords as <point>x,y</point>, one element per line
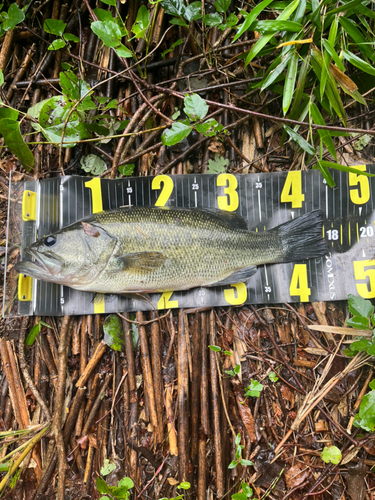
<point>49,241</point>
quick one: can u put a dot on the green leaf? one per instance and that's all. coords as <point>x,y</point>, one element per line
<point>331,454</point>
<point>178,21</point>
<point>10,130</point>
<point>233,464</point>
<point>273,75</point>
<point>254,389</point>
<point>184,485</point>
<point>274,26</point>
<point>175,134</point>
<point>54,26</point>
<point>237,369</point>
<point>57,44</point>
<point>237,441</point>
<point>231,21</point>
<point>323,134</point>
<point>209,128</point>
<point>250,18</point>
<point>69,85</point>
<point>331,51</point>
<point>358,322</point>
<point>290,82</point>
<point>107,468</point>
<point>222,5</point>
<point>344,168</point>
<point>306,146</point>
<point>109,2</point>
<point>123,51</point>
<point>195,107</point>
<point>93,164</point>
<point>1,78</point>
<point>246,489</point>
<point>8,113</point>
<point>360,307</point>
<point>141,24</point>
<point>52,118</point>
<point>358,62</point>
<point>71,38</point>
<point>263,40</point>
<point>246,463</point>
<point>127,169</point>
<point>104,15</point>
<point>215,348</point>
<point>372,384</point>
<point>350,28</point>
<point>15,16</point>
<point>273,377</point>
<point>193,11</point>
<point>212,19</point>
<point>360,345</point>
<point>112,104</point>
<point>173,7</point>
<point>126,482</point>
<point>34,332</point>
<point>218,165</point>
<point>166,51</point>
<point>366,415</point>
<point>108,32</point>
<point>326,174</point>
<point>239,496</point>
<point>102,486</point>
<point>113,334</point>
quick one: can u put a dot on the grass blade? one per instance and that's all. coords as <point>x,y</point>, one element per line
<point>325,136</point>
<point>290,82</point>
<point>250,18</point>
<point>358,62</point>
<point>326,174</point>
<point>306,146</point>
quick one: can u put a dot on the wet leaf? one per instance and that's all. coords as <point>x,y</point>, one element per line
<point>275,26</point>
<point>358,322</point>
<point>108,32</point>
<point>173,7</point>
<point>9,113</point>
<point>10,130</point>
<point>127,169</point>
<point>193,11</point>
<point>175,134</point>
<point>93,164</point>
<point>57,44</point>
<point>359,306</point>
<point>54,26</point>
<point>331,454</point>
<point>212,19</point>
<point>296,475</point>
<point>113,334</point>
<point>195,107</point>
<point>222,5</point>
<point>141,24</point>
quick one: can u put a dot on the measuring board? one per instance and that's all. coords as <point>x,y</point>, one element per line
<point>264,200</point>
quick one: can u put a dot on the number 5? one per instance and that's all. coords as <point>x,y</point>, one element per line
<point>365,290</point>
<point>360,195</point>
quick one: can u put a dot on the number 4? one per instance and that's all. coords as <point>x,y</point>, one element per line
<point>298,283</point>
<point>292,190</point>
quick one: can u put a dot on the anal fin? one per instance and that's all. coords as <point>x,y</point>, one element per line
<point>238,276</point>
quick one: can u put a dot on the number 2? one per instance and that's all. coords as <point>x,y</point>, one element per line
<point>165,192</point>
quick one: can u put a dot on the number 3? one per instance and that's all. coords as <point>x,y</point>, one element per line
<point>229,201</point>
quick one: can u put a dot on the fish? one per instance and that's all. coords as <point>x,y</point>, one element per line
<point>157,249</point>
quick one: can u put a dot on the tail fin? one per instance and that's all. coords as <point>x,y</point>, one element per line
<point>302,237</point>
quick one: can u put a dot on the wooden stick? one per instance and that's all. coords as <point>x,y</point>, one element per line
<point>195,388</point>
<point>98,353</point>
<point>182,401</point>
<point>156,362</point>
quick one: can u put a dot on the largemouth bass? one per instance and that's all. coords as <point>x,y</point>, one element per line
<point>151,249</point>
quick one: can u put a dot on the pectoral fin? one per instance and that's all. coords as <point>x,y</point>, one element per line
<point>141,261</point>
<point>237,277</point>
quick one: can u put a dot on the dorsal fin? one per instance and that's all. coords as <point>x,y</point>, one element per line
<point>230,219</point>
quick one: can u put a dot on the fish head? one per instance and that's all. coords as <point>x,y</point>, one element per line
<point>73,256</point>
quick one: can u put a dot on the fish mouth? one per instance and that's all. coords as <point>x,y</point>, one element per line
<point>43,266</point>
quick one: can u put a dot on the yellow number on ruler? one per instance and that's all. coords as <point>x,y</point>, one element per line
<point>365,290</point>
<point>292,190</point>
<point>165,192</point>
<point>236,295</point>
<point>97,206</point>
<point>362,195</point>
<point>229,201</point>
<point>96,195</point>
<point>165,303</point>
<point>298,283</point>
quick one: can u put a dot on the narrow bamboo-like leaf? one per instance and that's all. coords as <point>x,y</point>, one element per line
<point>354,33</point>
<point>331,51</point>
<point>306,146</point>
<point>365,11</point>
<point>344,168</point>
<point>325,136</point>
<point>300,11</point>
<point>358,62</point>
<point>327,56</point>
<point>274,26</point>
<point>250,18</point>
<point>259,44</point>
<point>290,82</point>
<point>305,68</point>
<point>276,72</point>
<point>326,174</point>
<point>347,7</point>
